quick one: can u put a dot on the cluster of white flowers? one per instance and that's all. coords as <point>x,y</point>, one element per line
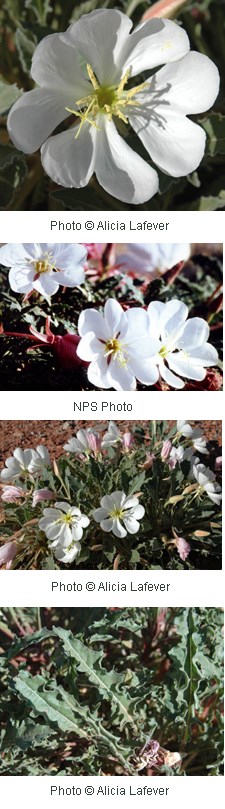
<point>89,441</point>
<point>123,347</point>
<point>63,524</point>
<point>85,73</point>
<point>43,266</point>
<point>25,461</point>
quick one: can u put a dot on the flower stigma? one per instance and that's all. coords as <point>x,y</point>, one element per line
<point>106,99</point>
<point>114,350</point>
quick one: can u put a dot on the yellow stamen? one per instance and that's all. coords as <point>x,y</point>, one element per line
<point>105,99</point>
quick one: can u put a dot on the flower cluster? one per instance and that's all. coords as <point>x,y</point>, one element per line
<point>110,469</point>
<point>159,343</point>
<point>85,73</point>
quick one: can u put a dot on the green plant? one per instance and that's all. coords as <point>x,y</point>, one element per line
<point>91,686</point>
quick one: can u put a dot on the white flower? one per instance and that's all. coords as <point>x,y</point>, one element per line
<point>143,259</point>
<point>24,461</point>
<point>117,508</point>
<point>207,482</point>
<point>86,441</point>
<point>182,346</point>
<point>63,526</point>
<point>85,73</point>
<point>176,456</point>
<point>196,435</point>
<point>17,464</point>
<point>117,344</point>
<point>43,266</point>
<point>40,459</point>
<point>112,436</point>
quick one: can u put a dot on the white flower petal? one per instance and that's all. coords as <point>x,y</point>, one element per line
<point>138,512</point>
<point>173,142</point>
<point>34,116</point>
<point>118,529</point>
<point>120,376</point>
<point>152,43</point>
<point>205,354</point>
<point>84,521</point>
<point>171,380</point>
<point>67,556</point>
<point>89,347</point>
<point>114,316</point>
<point>63,506</point>
<point>172,318</point>
<point>107,525</point>
<point>195,332</point>
<point>76,532</point>
<point>183,365</point>
<point>11,254</point>
<point>92,321</point>
<point>100,37</point>
<point>130,502</point>
<point>46,284</point>
<point>100,514</point>
<point>120,170</point>
<point>21,280</point>
<point>68,160</point>
<point>98,373</point>
<point>68,256</point>
<point>131,524</point>
<point>71,278</point>
<point>192,83</point>
<point>144,370</point>
<point>55,66</point>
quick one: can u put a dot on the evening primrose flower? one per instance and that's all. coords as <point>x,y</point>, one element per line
<point>153,259</point>
<point>207,482</point>
<point>117,510</point>
<point>43,266</point>
<point>24,461</point>
<point>183,350</point>
<point>85,442</point>
<point>85,73</point>
<point>117,346</point>
<point>63,526</point>
<point>195,434</point>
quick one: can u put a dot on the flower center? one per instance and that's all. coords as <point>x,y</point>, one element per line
<point>106,99</point>
<point>42,266</point>
<point>67,518</point>
<point>163,352</point>
<point>113,346</point>
<point>116,513</point>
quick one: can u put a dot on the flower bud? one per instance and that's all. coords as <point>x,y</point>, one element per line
<point>128,440</point>
<point>41,494</point>
<point>166,449</point>
<point>183,547</point>
<point>11,493</point>
<point>7,553</point>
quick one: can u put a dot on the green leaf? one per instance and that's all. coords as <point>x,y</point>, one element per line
<point>48,703</point>
<point>13,173</point>
<point>214,127</point>
<point>9,93</point>
<point>108,683</point>
<point>40,10</point>
<point>26,44</point>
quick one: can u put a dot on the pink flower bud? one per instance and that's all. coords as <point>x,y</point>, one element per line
<point>41,494</point>
<point>166,449</point>
<point>11,493</point>
<point>94,442</point>
<point>183,547</point>
<point>7,553</point>
<point>218,463</point>
<point>128,440</point>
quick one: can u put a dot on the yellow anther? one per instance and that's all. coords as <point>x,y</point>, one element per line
<point>109,100</point>
<point>92,77</point>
